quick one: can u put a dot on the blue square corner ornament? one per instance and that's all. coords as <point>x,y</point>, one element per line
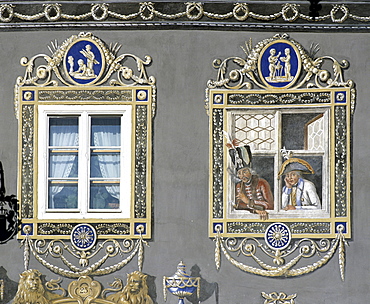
<point>140,228</point>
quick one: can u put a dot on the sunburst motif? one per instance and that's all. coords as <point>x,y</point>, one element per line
<point>83,236</point>
<point>278,236</point>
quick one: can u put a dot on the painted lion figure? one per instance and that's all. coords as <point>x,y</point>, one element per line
<point>135,291</point>
<point>30,289</point>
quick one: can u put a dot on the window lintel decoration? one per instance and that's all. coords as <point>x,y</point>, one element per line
<point>280,155</point>
<point>85,123</point>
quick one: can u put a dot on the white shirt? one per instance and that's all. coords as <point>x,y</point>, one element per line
<point>306,195</point>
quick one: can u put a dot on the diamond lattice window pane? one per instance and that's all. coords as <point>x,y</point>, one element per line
<point>256,129</point>
<point>315,134</point>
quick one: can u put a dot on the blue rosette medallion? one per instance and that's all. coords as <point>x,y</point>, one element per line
<point>278,236</point>
<point>83,237</point>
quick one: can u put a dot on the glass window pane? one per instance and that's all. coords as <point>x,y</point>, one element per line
<point>257,130</point>
<point>63,131</point>
<point>293,129</point>
<point>106,131</point>
<point>105,165</point>
<point>63,196</point>
<point>63,164</point>
<point>104,196</point>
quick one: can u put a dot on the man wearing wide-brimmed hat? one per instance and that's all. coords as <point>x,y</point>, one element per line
<point>298,192</point>
<point>252,193</point>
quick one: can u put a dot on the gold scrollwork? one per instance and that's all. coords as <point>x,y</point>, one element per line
<point>315,75</point>
<point>97,8</point>
<point>290,9</point>
<point>194,11</point>
<point>41,75</point>
<point>52,8</point>
<point>6,12</point>
<point>278,298</point>
<point>40,249</point>
<point>241,8</point>
<point>1,290</point>
<point>345,11</point>
<point>306,248</point>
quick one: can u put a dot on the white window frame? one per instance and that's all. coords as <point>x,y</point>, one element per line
<point>83,212</point>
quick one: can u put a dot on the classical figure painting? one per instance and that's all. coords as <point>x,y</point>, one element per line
<point>280,123</point>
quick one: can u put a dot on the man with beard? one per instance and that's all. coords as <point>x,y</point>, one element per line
<point>252,192</point>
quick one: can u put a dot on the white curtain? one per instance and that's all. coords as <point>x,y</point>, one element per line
<point>62,164</point>
<point>108,135</point>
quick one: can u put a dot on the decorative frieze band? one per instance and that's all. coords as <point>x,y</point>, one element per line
<point>100,95</point>
<point>66,228</point>
<point>296,227</point>
<point>194,14</point>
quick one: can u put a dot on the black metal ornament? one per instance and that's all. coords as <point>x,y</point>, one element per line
<point>315,7</point>
<point>8,212</point>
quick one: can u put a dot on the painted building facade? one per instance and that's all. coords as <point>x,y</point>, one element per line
<point>160,91</point>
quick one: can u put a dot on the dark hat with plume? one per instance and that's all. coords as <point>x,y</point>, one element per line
<point>294,164</point>
<point>241,156</point>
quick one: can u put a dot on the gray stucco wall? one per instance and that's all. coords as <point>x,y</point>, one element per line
<point>182,64</point>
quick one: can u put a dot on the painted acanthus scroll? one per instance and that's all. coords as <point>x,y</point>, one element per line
<point>304,248</point>
<point>41,74</point>
<point>57,249</point>
<point>238,72</point>
<point>278,298</point>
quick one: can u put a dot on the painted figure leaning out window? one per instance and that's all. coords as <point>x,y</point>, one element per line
<point>298,192</point>
<point>252,193</point>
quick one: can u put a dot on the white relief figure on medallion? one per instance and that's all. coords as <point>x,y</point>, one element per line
<point>274,65</point>
<point>85,70</point>
<point>287,67</point>
<point>279,67</point>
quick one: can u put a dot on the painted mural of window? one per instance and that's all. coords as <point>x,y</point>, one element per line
<point>86,160</point>
<point>280,141</point>
<point>314,134</point>
<point>302,134</point>
<point>256,129</point>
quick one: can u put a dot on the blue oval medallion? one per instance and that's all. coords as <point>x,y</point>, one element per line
<point>84,62</point>
<point>279,64</point>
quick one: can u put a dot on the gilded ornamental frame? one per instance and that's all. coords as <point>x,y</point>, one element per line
<point>119,80</point>
<point>244,90</point>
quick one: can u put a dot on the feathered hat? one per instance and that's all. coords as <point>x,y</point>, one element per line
<point>294,164</point>
<point>241,156</point>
